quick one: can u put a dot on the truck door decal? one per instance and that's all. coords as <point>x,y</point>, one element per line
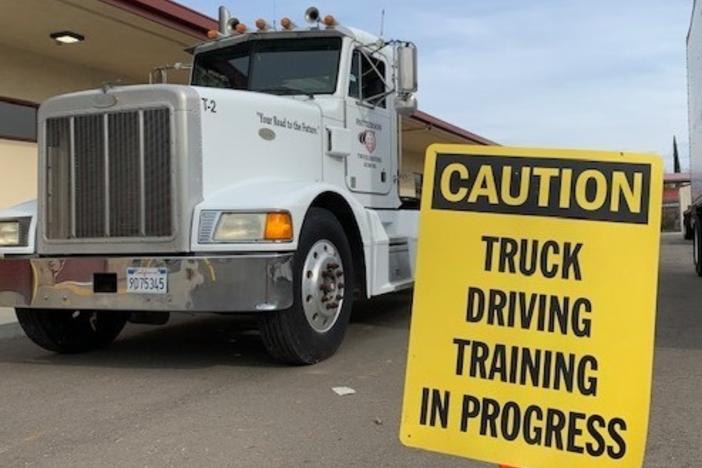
<point>370,162</point>
<point>209,105</point>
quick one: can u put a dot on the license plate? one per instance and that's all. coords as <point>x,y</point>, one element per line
<point>147,280</point>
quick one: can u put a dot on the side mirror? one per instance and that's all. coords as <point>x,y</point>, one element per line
<point>406,102</point>
<point>406,68</point>
<point>406,105</point>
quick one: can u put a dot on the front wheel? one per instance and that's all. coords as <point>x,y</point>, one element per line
<point>688,230</point>
<point>314,327</point>
<point>697,246</point>
<point>71,331</point>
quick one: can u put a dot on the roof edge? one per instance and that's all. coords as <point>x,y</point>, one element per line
<point>169,13</point>
<point>680,177</point>
<point>428,119</point>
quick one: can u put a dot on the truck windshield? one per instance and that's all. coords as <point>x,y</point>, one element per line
<point>275,66</point>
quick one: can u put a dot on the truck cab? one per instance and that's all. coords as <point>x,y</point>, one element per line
<point>269,185</point>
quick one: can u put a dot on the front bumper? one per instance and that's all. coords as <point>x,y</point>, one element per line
<point>235,283</point>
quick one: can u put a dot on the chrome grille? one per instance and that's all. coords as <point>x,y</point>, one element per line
<point>109,175</point>
<point>125,167</point>
<point>157,173</point>
<point>89,172</point>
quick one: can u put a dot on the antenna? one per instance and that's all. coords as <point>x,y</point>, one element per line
<point>382,21</point>
<point>275,18</point>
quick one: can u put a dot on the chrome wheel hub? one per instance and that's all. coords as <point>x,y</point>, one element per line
<point>322,286</point>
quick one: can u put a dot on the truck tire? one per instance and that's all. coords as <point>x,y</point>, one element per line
<point>697,246</point>
<point>71,331</point>
<point>688,230</point>
<point>323,284</point>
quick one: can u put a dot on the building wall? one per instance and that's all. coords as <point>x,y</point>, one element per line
<point>32,77</point>
<point>685,195</point>
<point>412,163</point>
<point>18,166</point>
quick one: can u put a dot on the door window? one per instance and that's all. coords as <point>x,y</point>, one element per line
<point>367,79</point>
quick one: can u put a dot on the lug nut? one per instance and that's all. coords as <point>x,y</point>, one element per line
<point>333,266</point>
<point>332,305</point>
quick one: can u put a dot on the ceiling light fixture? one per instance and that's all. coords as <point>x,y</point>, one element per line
<point>66,37</point>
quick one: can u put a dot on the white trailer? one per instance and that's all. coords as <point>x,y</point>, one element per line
<point>692,216</point>
<point>271,184</point>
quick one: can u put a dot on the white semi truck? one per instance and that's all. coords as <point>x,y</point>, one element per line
<point>268,185</point>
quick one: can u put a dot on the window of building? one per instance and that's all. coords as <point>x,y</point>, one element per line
<point>18,120</point>
<point>367,79</point>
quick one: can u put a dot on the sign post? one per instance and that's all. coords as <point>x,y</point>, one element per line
<point>534,308</point>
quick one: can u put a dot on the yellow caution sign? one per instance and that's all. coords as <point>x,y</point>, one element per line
<point>534,307</point>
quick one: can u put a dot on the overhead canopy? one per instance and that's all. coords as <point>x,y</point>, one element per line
<point>123,39</point>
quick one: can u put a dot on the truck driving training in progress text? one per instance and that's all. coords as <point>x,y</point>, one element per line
<point>269,185</point>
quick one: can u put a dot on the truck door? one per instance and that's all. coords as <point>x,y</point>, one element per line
<point>369,167</point>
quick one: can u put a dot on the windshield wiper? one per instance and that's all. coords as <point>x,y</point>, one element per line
<point>218,80</point>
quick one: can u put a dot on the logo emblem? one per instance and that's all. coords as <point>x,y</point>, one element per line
<point>367,137</point>
<point>266,133</point>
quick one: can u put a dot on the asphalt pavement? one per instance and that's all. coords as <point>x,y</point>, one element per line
<point>202,392</point>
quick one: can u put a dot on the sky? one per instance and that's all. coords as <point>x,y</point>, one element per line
<point>593,74</point>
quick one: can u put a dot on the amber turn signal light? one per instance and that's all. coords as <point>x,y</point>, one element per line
<point>287,24</point>
<point>261,24</point>
<point>278,227</point>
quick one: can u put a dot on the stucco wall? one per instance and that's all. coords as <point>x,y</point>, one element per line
<point>24,75</point>
<point>412,163</point>
<point>18,172</point>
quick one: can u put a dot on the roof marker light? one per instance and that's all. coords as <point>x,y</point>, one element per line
<point>241,28</point>
<point>261,24</point>
<point>287,24</point>
<point>231,24</point>
<point>213,34</point>
<point>329,21</point>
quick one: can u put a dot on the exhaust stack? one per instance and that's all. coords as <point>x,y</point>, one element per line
<point>224,18</point>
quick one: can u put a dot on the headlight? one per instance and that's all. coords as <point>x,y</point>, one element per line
<point>240,227</point>
<point>9,233</point>
<point>252,227</point>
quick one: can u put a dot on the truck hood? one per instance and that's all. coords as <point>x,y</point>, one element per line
<point>249,135</point>
<point>179,98</point>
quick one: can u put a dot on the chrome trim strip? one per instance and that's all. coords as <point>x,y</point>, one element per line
<point>106,149</point>
<point>142,176</point>
<point>72,153</point>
